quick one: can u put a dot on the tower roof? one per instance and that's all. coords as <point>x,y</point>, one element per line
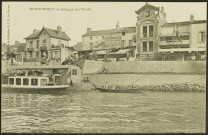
<point>147,6</point>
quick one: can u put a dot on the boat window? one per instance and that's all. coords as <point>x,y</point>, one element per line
<point>18,81</point>
<point>57,79</point>
<point>43,81</point>
<point>34,81</point>
<point>74,72</point>
<point>11,81</point>
<point>25,81</point>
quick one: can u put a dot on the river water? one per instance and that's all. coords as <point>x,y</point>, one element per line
<point>96,112</point>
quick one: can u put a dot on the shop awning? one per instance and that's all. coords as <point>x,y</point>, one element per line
<point>171,34</point>
<point>124,51</point>
<point>102,52</point>
<point>183,50</point>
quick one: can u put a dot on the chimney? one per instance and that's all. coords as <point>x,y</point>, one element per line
<point>16,42</point>
<point>59,30</point>
<point>89,30</point>
<point>35,31</point>
<point>117,25</point>
<point>191,18</point>
<point>162,9</point>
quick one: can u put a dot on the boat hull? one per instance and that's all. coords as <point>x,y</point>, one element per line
<point>119,90</point>
<point>54,87</point>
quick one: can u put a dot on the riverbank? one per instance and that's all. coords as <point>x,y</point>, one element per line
<point>152,82</point>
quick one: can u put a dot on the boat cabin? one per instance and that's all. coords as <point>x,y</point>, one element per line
<point>31,81</point>
<point>52,74</point>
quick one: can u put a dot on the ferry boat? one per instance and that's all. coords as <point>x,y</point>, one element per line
<point>48,77</point>
<point>32,83</point>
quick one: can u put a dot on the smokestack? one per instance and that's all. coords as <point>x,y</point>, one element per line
<point>191,18</point>
<point>89,30</point>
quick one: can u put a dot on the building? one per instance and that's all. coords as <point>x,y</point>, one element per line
<point>183,40</point>
<point>149,21</point>
<point>102,42</point>
<point>153,38</point>
<point>49,44</point>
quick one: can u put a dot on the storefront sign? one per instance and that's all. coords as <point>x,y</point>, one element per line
<point>112,41</point>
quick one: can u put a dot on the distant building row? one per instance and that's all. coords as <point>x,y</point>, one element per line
<point>152,38</point>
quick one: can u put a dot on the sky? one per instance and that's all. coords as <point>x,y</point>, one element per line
<point>95,15</point>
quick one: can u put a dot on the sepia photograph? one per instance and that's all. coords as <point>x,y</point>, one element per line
<point>103,67</point>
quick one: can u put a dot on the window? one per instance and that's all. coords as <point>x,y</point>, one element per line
<point>144,31</point>
<point>34,82</point>
<point>37,44</point>
<point>44,41</point>
<point>44,33</point>
<point>90,38</point>
<point>144,46</point>
<point>31,42</point>
<point>123,33</point>
<point>151,31</point>
<point>201,36</point>
<point>151,46</point>
<point>25,81</point>
<point>43,82</point>
<point>56,54</point>
<point>11,81</point>
<point>122,43</point>
<point>91,46</point>
<point>102,37</point>
<point>130,43</point>
<point>74,72</point>
<point>18,81</point>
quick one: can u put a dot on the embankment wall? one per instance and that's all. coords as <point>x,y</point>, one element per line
<point>154,67</point>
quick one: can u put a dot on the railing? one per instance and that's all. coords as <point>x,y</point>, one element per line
<point>146,35</point>
<point>53,46</point>
<point>43,48</point>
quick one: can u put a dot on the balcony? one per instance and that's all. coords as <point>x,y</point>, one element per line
<point>174,43</point>
<point>43,48</point>
<point>147,35</point>
<point>56,47</point>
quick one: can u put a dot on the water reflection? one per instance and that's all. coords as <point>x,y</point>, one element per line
<point>96,112</point>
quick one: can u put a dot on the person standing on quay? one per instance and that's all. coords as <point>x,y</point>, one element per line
<point>106,85</point>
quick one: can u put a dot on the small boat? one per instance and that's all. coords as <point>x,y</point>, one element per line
<point>32,83</point>
<point>115,90</point>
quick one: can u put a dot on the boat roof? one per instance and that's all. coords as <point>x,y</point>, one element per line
<point>42,67</point>
<point>28,77</point>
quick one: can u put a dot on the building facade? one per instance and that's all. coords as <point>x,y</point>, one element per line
<point>183,40</point>
<point>48,43</point>
<point>101,43</point>
<point>149,21</point>
<point>153,38</point>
